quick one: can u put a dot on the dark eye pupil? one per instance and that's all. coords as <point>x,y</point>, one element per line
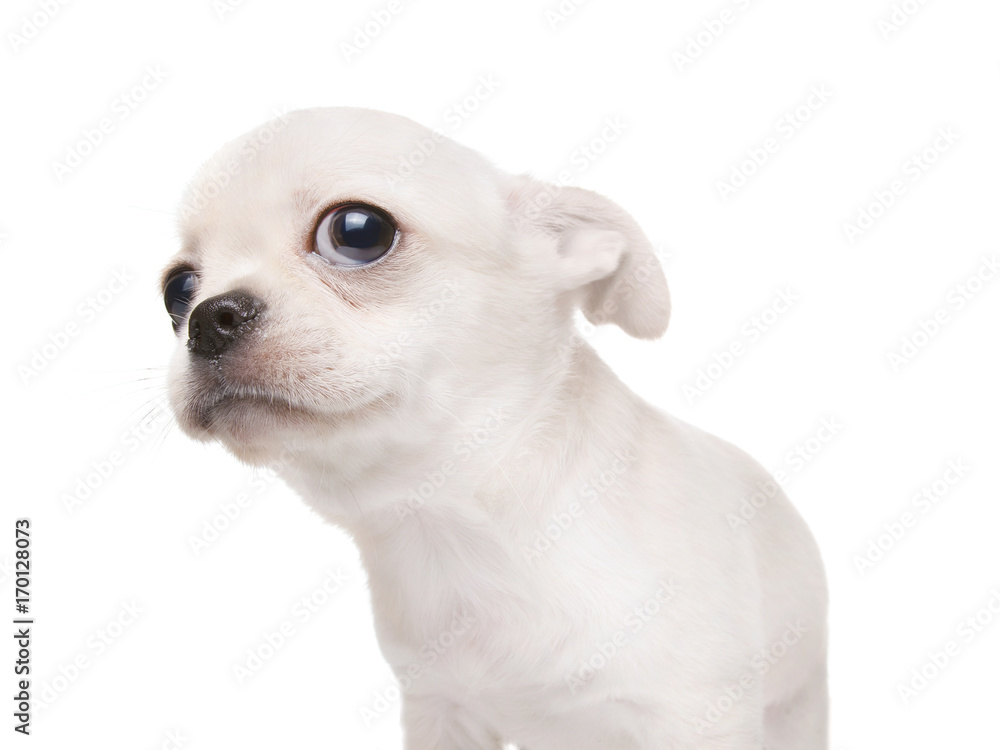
<point>358,229</point>
<point>177,295</point>
<point>361,234</point>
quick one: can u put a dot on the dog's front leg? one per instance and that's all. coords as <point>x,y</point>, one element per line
<point>433,722</point>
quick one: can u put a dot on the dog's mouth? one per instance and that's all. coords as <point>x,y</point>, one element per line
<point>251,415</point>
<point>226,404</point>
<point>245,415</point>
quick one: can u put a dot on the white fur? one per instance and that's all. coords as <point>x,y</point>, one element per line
<point>513,501</point>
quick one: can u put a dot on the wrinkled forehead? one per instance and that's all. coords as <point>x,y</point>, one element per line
<point>271,184</point>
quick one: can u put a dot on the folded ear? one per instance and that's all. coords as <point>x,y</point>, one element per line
<point>592,248</point>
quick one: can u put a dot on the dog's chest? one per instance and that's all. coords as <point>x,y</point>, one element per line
<point>498,675</point>
<point>501,642</point>
<point>475,638</point>
<point>463,611</point>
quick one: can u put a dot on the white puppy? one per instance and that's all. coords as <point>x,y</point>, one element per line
<point>388,319</point>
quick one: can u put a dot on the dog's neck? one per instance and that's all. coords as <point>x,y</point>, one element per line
<point>443,516</point>
<point>480,456</point>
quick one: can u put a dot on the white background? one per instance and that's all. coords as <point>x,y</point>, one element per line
<point>687,126</point>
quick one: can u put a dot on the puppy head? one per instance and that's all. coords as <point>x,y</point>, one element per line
<point>348,272</point>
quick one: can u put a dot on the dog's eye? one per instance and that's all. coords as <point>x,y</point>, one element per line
<point>354,235</point>
<point>177,294</point>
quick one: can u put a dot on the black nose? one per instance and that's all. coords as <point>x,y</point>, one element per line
<point>219,321</point>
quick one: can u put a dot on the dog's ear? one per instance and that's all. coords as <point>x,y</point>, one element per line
<point>592,248</point>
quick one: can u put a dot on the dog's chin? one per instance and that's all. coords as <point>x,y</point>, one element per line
<point>265,429</point>
<point>257,429</point>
